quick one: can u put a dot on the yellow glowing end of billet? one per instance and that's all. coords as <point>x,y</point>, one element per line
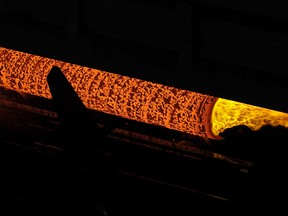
<point>227,114</point>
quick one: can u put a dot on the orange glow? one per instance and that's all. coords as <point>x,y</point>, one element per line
<point>111,93</point>
<point>135,99</point>
<point>227,114</point>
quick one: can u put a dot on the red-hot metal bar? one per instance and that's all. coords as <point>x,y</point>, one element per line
<point>135,99</point>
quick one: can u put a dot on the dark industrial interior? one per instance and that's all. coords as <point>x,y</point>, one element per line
<point>60,158</point>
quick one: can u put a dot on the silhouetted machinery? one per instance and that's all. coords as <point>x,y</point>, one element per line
<point>60,157</point>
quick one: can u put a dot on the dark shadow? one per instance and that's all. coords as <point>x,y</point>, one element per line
<point>87,165</point>
<point>267,148</point>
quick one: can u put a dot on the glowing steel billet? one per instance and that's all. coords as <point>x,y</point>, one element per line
<point>136,99</point>
<point>111,93</point>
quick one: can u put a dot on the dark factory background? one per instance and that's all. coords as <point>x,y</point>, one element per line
<point>231,49</point>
